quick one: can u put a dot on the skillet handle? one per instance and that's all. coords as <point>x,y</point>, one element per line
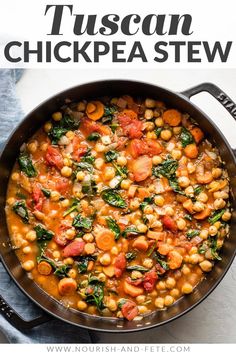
<point>17,321</point>
<point>218,94</point>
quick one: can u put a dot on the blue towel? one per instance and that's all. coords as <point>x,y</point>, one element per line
<point>54,331</point>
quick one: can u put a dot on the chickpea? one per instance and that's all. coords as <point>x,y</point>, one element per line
<point>194,258</point>
<point>72,273</point>
<point>80,176</point>
<point>102,277</point>
<point>148,263</point>
<point>114,251</point>
<point>159,200</point>
<point>183,181</point>
<point>99,147</point>
<point>176,154</point>
<point>217,224</point>
<point>151,135</point>
<point>202,197</point>
<point>212,230</point>
<point>11,201</point>
<point>191,167</point>
<point>32,146</point>
<point>81,305</point>
<point>169,211</point>
<point>111,304</point>
<point>226,216</point>
<point>121,161</point>
<point>166,134</point>
<point>105,259</point>
<point>65,203</point>
<point>186,270</point>
<point>156,160</point>
<point>57,116</point>
<point>221,194</point>
<point>43,146</point>
<point>31,236</point>
<point>187,288</point>
<point>204,234</point>
<point>70,234</point>
<point>142,228</point>
<point>148,114</point>
<point>81,106</point>
<point>170,283</point>
<point>177,130</point>
<point>26,250</point>
<point>66,171</point>
<point>216,172</point>
<point>136,274</point>
<point>125,184</point>
<point>28,265</point>
<point>181,224</point>
<point>140,299</point>
<point>161,285</point>
<point>142,309</point>
<point>219,203</point>
<point>56,254</point>
<point>68,261</point>
<point>169,300</point>
<point>15,176</point>
<point>149,126</point>
<point>88,237</point>
<point>150,103</point>
<point>148,209</point>
<point>109,173</point>
<point>189,190</point>
<point>47,127</point>
<point>134,204</point>
<point>98,163</point>
<point>55,196</point>
<point>159,302</point>
<point>198,206</point>
<point>175,293</point>
<point>89,248</point>
<point>106,140</point>
<point>159,122</point>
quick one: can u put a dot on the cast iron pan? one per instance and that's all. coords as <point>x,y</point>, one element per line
<point>25,130</point>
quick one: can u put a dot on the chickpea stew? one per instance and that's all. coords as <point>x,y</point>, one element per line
<point>118,206</point>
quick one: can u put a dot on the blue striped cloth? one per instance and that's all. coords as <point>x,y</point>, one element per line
<point>54,331</point>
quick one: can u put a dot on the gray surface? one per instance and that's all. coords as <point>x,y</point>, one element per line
<point>214,320</point>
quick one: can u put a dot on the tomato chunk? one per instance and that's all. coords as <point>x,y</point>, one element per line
<point>169,223</point>
<point>89,126</point>
<point>120,265</point>
<point>132,127</point>
<point>145,147</point>
<point>149,280</point>
<point>53,157</point>
<point>38,197</point>
<point>75,248</point>
<point>142,168</point>
<point>129,310</point>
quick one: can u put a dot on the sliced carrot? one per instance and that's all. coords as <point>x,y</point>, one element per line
<point>105,240</point>
<point>172,117</point>
<point>109,271</point>
<point>197,134</point>
<point>142,193</point>
<point>132,290</point>
<point>95,110</point>
<point>191,151</point>
<point>203,214</point>
<point>132,190</point>
<point>90,266</point>
<point>44,268</point>
<point>140,244</point>
<point>67,286</point>
<point>130,113</point>
<point>156,235</point>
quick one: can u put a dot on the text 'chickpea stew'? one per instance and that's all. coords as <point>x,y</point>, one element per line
<point>118,206</point>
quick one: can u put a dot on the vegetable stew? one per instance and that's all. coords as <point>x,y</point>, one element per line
<point>118,206</point>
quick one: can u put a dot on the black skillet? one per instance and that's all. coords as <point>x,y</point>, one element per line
<point>25,130</point>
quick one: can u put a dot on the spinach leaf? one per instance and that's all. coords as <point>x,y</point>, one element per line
<point>21,210</point>
<point>95,293</point>
<point>213,248</point>
<point>157,131</point>
<point>109,110</point>
<point>186,137</point>
<point>82,223</point>
<point>26,165</point>
<point>146,201</point>
<point>216,216</point>
<point>161,260</point>
<point>46,192</point>
<point>83,166</point>
<point>94,136</point>
<point>130,256</point>
<point>89,187</point>
<point>113,198</point>
<point>88,158</point>
<point>192,233</point>
<point>21,195</point>
<point>202,249</point>
<point>111,223</point>
<point>129,231</point>
<point>110,155</point>
<point>83,262</point>
<point>61,128</point>
<point>137,267</point>
<point>198,190</point>
<point>73,207</point>
<point>152,249</point>
<point>62,271</point>
<point>188,217</point>
<point>43,234</point>
<point>121,171</point>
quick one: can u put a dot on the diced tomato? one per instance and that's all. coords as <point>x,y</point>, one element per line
<point>73,249</point>
<point>154,148</point>
<point>159,269</point>
<point>62,185</point>
<point>38,197</point>
<point>149,280</point>
<point>132,127</point>
<point>145,147</point>
<point>120,265</point>
<point>136,282</point>
<point>129,310</point>
<point>121,142</point>
<point>169,223</point>
<point>60,237</point>
<point>89,126</point>
<point>142,168</point>
<point>53,157</point>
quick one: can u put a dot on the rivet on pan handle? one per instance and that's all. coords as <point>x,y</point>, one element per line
<point>17,321</point>
<point>217,93</point>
